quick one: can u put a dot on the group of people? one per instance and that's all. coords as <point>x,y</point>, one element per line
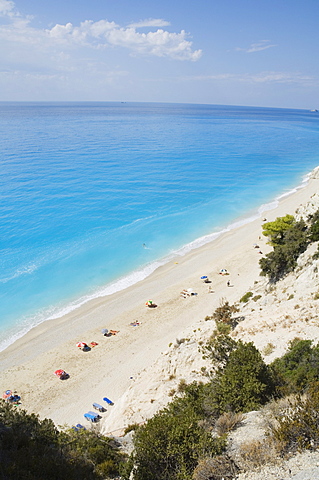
<point>12,398</point>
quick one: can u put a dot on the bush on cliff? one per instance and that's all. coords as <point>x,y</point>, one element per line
<point>243,384</point>
<point>170,445</point>
<point>298,368</point>
<point>33,449</point>
<point>297,428</point>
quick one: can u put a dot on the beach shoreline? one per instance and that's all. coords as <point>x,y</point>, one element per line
<point>142,273</point>
<point>109,369</point>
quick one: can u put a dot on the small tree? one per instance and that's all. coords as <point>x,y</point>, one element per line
<point>218,348</point>
<point>275,230</point>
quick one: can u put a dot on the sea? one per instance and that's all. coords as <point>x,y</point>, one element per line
<point>95,196</point>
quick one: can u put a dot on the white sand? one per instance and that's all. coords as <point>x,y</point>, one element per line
<point>137,368</point>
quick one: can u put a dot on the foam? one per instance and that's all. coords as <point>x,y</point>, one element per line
<point>21,271</point>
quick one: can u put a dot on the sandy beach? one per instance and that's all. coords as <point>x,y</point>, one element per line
<point>120,361</point>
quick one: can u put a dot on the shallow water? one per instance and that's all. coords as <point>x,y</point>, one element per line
<point>94,196</point>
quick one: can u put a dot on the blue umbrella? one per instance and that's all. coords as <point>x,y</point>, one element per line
<point>204,276</point>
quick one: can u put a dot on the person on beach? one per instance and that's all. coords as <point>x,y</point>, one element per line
<point>228,283</point>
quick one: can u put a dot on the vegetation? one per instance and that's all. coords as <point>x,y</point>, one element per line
<point>298,368</point>
<point>171,443</point>
<point>177,444</point>
<point>314,227</point>
<point>216,468</point>
<point>289,239</point>
<point>218,349</point>
<point>256,298</point>
<point>224,313</point>
<point>275,231</point>
<point>227,422</point>
<point>245,383</point>
<point>246,297</point>
<point>268,349</point>
<point>298,427</point>
<point>33,449</point>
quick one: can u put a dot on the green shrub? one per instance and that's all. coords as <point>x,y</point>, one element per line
<point>170,445</point>
<point>298,368</point>
<point>256,297</point>
<point>245,383</point>
<point>182,385</point>
<point>218,349</point>
<point>314,228</point>
<point>246,297</point>
<point>223,328</point>
<point>131,428</point>
<point>31,448</point>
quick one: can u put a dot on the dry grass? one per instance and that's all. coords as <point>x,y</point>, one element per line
<point>216,468</point>
<point>268,349</point>
<point>256,454</point>
<point>277,408</point>
<point>227,422</point>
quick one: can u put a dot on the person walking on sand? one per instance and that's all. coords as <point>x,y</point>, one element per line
<point>228,283</point>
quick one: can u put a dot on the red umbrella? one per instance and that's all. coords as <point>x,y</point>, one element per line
<point>60,372</point>
<point>81,344</point>
<point>7,394</point>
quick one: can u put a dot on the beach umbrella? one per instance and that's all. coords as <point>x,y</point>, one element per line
<point>203,277</point>
<point>223,270</point>
<point>81,344</point>
<point>149,302</point>
<point>7,394</point>
<point>104,331</point>
<point>59,372</point>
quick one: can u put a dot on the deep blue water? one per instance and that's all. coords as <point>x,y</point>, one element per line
<point>85,185</point>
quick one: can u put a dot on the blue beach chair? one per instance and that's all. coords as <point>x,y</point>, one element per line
<point>91,416</point>
<point>98,407</point>
<point>108,401</point>
<point>94,414</point>
<point>78,427</point>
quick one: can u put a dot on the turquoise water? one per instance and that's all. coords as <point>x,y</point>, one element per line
<point>94,196</point>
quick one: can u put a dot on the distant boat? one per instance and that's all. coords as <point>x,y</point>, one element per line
<point>314,110</point>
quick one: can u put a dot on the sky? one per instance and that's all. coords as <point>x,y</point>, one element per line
<point>226,52</point>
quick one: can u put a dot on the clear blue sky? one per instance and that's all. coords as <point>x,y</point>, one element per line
<point>235,52</point>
